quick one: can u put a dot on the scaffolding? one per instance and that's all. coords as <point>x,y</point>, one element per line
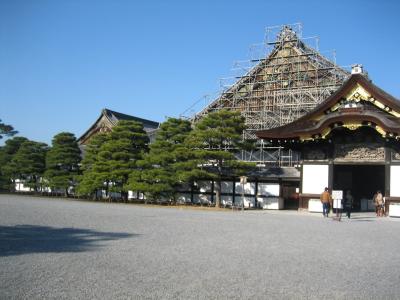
<point>283,79</point>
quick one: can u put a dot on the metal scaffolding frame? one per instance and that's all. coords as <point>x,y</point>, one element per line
<point>289,80</point>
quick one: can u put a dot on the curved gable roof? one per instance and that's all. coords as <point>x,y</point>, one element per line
<point>386,114</point>
<point>111,118</point>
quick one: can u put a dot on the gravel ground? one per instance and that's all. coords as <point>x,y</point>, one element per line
<point>66,249</point>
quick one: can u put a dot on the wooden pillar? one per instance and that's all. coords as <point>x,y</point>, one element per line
<point>388,160</point>
<point>191,193</point>
<point>256,193</point>
<point>301,205</point>
<point>212,191</point>
<point>330,175</point>
<point>234,191</point>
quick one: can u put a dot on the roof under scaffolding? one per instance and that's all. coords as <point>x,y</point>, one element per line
<point>292,79</point>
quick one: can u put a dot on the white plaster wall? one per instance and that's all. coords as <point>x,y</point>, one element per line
<point>271,202</point>
<point>268,189</point>
<point>249,188</point>
<point>394,210</point>
<point>20,187</point>
<point>315,178</point>
<point>314,205</point>
<point>395,181</point>
<point>132,194</point>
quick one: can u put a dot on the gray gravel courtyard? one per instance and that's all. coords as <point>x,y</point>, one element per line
<point>67,249</point>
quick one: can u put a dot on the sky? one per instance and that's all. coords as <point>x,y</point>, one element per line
<point>62,62</point>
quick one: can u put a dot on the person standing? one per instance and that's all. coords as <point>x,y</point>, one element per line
<point>348,203</point>
<point>378,203</point>
<point>326,199</point>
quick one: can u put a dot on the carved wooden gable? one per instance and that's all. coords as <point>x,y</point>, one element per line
<point>358,103</point>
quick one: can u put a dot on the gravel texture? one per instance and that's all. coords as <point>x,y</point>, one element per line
<point>67,249</point>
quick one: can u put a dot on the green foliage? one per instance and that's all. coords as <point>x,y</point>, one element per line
<point>87,181</point>
<point>7,169</point>
<point>156,174</point>
<point>116,158</point>
<point>213,144</point>
<point>62,162</point>
<point>28,163</point>
<point>6,130</point>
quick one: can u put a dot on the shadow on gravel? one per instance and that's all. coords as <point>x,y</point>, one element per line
<point>26,239</point>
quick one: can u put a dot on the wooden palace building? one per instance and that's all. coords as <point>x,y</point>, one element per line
<point>350,141</point>
<point>108,119</point>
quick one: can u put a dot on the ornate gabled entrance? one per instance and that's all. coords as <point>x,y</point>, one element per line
<point>350,141</point>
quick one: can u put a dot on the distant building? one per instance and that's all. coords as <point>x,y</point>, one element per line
<point>108,119</point>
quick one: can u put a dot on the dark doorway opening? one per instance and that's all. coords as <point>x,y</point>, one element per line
<point>362,180</point>
<point>290,194</point>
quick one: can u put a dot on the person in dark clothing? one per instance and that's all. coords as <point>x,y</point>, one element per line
<point>348,204</point>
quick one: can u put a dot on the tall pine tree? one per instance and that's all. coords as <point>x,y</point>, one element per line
<point>88,182</point>
<point>8,172</point>
<point>212,146</point>
<point>156,174</point>
<point>62,162</point>
<point>118,157</point>
<point>29,163</point>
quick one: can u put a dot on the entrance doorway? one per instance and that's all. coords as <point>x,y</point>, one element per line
<point>362,180</point>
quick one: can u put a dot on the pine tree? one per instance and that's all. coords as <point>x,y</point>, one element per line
<point>62,162</point>
<point>88,185</point>
<point>6,130</point>
<point>29,163</point>
<point>118,157</point>
<point>156,174</point>
<point>7,168</point>
<point>213,144</point>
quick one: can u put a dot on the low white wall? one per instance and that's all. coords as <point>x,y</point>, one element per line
<point>270,202</point>
<point>268,189</point>
<point>20,187</point>
<point>394,179</point>
<point>394,210</point>
<point>315,205</point>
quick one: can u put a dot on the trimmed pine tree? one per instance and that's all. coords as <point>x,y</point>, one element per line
<point>29,163</point>
<point>156,174</point>
<point>118,157</point>
<point>212,146</point>
<point>62,162</point>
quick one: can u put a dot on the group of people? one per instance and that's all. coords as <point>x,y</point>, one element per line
<point>348,201</point>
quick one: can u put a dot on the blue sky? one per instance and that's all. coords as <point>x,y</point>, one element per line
<point>61,62</point>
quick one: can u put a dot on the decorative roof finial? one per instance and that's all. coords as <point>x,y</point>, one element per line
<point>286,34</point>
